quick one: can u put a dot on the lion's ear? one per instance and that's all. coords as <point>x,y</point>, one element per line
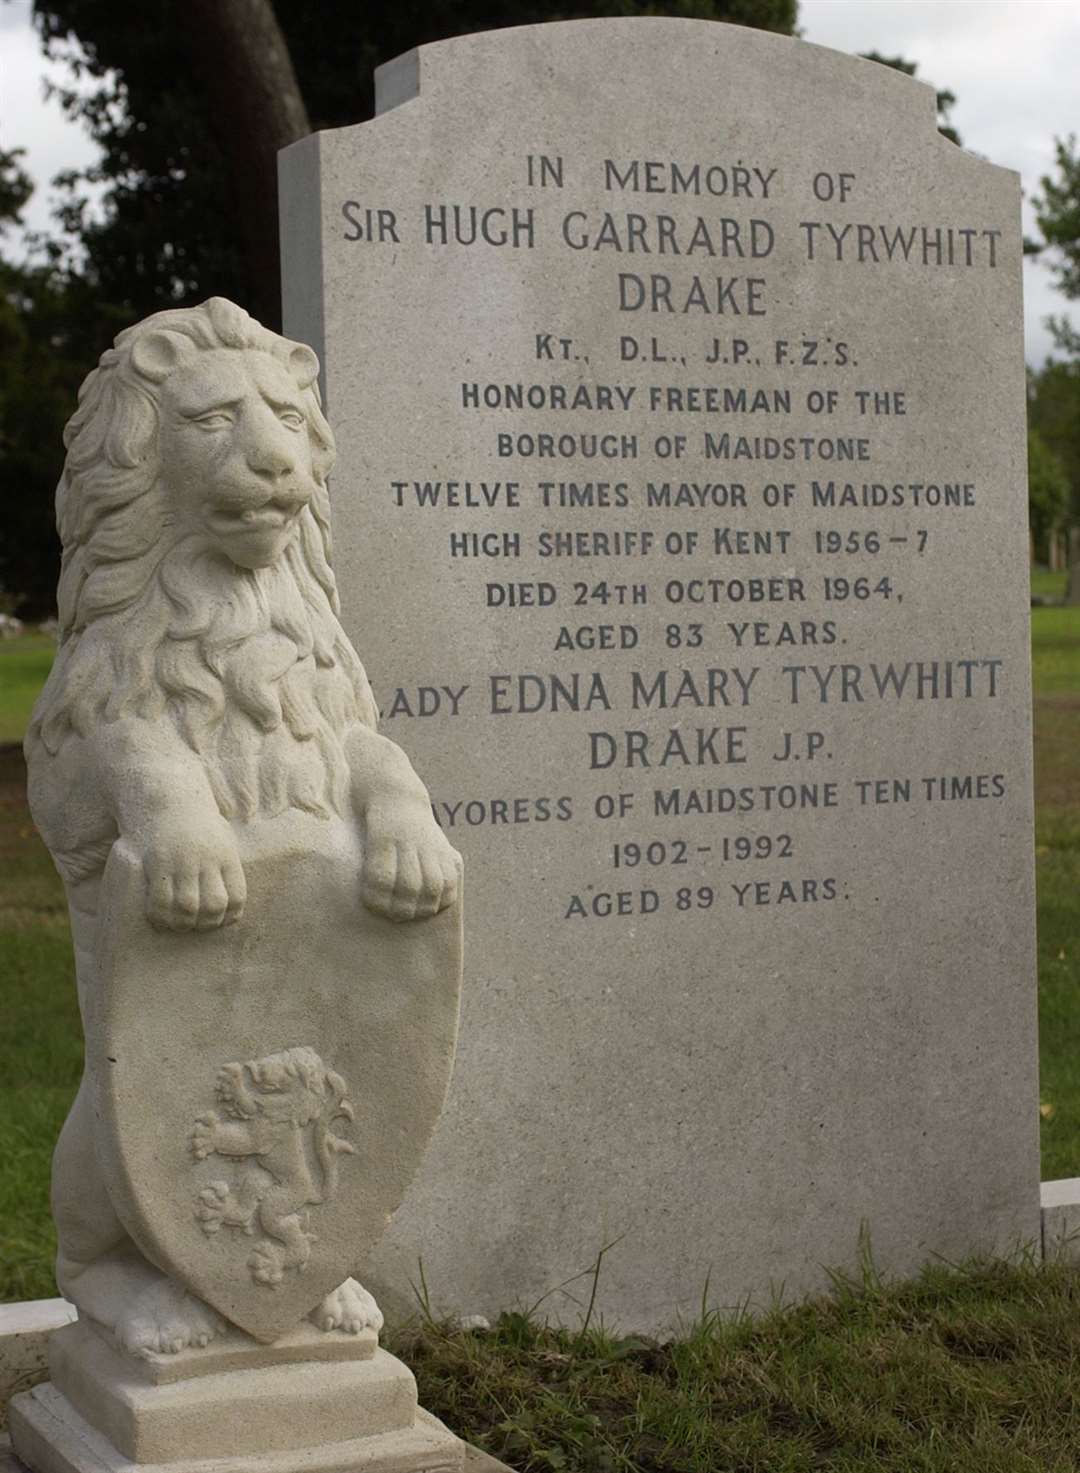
<point>157,354</point>
<point>304,365</point>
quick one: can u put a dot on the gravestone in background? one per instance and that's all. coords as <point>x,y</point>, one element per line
<point>681,366</point>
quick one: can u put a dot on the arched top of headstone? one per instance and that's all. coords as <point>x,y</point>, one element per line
<point>766,72</point>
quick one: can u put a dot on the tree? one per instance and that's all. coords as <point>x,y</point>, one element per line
<point>1054,412</point>
<point>15,188</point>
<point>1054,415</point>
<point>1057,214</point>
<point>1048,490</point>
<point>51,325</point>
<point>27,542</point>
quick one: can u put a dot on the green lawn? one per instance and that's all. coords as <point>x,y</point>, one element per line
<point>40,1038</point>
<point>1048,585</point>
<point>970,1371</point>
<point>1056,681</point>
<point>24,664</point>
<point>967,1371</point>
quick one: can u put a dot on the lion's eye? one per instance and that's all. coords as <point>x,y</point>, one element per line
<point>292,418</point>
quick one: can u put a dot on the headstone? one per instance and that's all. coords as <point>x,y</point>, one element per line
<point>1060,1202</point>
<point>266,929</point>
<point>678,381</point>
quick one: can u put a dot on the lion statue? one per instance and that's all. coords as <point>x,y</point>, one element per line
<point>202,681</point>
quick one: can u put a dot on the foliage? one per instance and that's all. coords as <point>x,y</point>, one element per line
<point>51,324</point>
<point>1048,488</point>
<point>1054,413</point>
<point>1057,213</point>
<point>15,187</point>
<point>52,327</point>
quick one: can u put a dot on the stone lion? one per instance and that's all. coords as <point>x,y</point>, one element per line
<point>202,681</point>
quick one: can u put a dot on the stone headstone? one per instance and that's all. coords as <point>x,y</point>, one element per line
<point>680,367</point>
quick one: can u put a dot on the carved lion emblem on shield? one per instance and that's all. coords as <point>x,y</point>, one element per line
<point>276,1121</point>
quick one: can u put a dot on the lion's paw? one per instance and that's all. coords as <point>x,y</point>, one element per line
<point>408,877</point>
<point>165,1319</point>
<point>202,1137</point>
<point>212,1208</point>
<point>267,1263</point>
<point>194,878</point>
<point>349,1308</point>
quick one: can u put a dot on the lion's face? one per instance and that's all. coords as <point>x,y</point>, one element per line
<point>196,586</point>
<point>235,454</point>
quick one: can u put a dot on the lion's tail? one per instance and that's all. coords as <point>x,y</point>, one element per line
<point>328,1147</point>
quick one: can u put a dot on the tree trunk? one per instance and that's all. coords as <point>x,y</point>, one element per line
<point>1072,588</point>
<point>244,61</point>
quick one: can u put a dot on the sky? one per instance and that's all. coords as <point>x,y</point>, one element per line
<point>1013,65</point>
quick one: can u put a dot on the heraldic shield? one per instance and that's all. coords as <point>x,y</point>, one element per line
<point>265,1091</point>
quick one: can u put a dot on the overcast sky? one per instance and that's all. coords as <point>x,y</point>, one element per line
<point>1013,64</point>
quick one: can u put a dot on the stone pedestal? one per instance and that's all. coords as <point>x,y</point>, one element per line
<point>234,1406</point>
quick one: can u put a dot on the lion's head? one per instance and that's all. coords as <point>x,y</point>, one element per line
<point>294,1085</point>
<point>196,582</point>
<point>116,504</point>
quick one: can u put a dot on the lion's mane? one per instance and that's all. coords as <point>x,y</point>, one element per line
<point>252,667</point>
<point>294,1085</point>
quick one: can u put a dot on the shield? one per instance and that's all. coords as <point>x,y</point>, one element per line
<point>265,1091</point>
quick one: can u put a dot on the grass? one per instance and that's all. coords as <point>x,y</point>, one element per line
<point>24,664</point>
<point>40,1039</point>
<point>969,1370</point>
<point>1056,681</point>
<point>1048,585</point>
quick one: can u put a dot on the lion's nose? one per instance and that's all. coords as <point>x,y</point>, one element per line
<point>270,460</point>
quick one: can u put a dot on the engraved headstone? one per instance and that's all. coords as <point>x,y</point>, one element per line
<point>680,367</point>
<point>266,929</point>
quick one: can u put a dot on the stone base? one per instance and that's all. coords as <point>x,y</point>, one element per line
<point>26,1329</point>
<point>24,1342</point>
<point>216,1411</point>
<point>50,1436</point>
<point>1061,1220</point>
<point>233,1351</point>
